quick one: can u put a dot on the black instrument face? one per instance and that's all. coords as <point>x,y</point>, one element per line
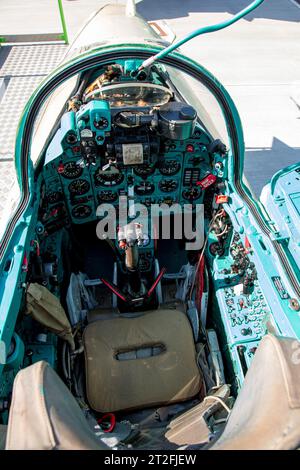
<point>54,196</point>
<point>81,212</point>
<point>144,170</point>
<point>168,185</point>
<point>191,194</point>
<point>107,196</point>
<point>101,123</point>
<point>79,187</point>
<point>144,188</point>
<point>108,178</point>
<point>71,170</point>
<point>71,138</point>
<point>169,167</point>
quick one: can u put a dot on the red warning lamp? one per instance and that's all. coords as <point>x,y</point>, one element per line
<point>247,245</point>
<point>221,199</point>
<point>189,148</point>
<point>76,149</point>
<point>60,168</point>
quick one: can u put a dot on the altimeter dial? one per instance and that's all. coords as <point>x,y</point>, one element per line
<point>81,211</point>
<point>144,170</point>
<point>79,187</point>
<point>169,167</point>
<point>191,194</point>
<point>108,178</point>
<point>107,196</point>
<point>168,185</point>
<point>144,188</point>
<point>54,196</point>
<point>70,170</point>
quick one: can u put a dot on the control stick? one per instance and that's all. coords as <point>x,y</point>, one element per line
<point>130,237</point>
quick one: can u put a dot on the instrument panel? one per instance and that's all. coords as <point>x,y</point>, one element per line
<point>172,179</point>
<point>90,161</point>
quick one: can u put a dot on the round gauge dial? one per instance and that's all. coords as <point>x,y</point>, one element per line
<point>71,170</point>
<point>108,178</point>
<point>81,212</point>
<point>54,196</point>
<point>101,123</point>
<point>79,187</point>
<point>107,196</point>
<point>167,186</point>
<point>144,170</point>
<point>144,188</point>
<point>71,138</point>
<point>169,167</point>
<point>191,194</point>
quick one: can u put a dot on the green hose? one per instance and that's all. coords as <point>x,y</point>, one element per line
<point>204,30</point>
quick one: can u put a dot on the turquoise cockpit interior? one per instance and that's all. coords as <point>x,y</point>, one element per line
<point>143,290</point>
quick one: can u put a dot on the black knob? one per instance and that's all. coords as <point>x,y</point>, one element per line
<point>246,331</point>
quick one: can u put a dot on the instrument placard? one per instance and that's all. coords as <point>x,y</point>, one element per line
<point>132,154</point>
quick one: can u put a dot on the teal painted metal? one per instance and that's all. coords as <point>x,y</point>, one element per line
<point>91,112</point>
<point>119,50</point>
<point>282,201</point>
<point>287,322</point>
<point>18,243</point>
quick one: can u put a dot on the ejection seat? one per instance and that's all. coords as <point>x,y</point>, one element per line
<point>133,362</point>
<point>44,415</point>
<point>266,415</point>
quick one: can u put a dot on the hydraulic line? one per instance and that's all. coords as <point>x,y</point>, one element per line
<point>200,31</point>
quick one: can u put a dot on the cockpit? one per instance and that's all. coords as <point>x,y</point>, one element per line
<point>142,268</point>
<point>131,178</point>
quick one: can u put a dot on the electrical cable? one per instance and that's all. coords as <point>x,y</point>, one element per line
<point>219,400</point>
<point>218,214</point>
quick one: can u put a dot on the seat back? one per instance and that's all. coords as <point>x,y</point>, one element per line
<point>44,415</point>
<point>266,414</point>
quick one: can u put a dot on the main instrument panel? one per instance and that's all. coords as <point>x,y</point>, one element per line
<point>90,161</point>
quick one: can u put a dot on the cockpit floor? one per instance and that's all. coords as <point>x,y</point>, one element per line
<point>171,254</point>
<point>92,256</point>
<point>152,425</point>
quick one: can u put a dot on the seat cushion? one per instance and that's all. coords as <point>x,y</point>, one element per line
<point>139,362</point>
